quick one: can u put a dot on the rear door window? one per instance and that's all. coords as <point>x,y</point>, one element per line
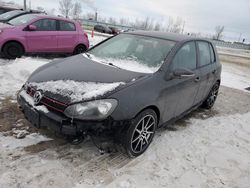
<point>45,25</point>
<point>185,57</point>
<point>205,55</point>
<point>66,26</point>
<point>213,59</point>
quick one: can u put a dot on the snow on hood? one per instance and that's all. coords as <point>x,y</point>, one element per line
<point>129,64</point>
<point>76,91</point>
<point>81,69</point>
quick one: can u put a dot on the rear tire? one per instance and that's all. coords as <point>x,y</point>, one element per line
<point>210,100</point>
<point>140,134</point>
<point>13,50</point>
<point>79,49</point>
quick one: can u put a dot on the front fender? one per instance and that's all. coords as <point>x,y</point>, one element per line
<point>136,97</point>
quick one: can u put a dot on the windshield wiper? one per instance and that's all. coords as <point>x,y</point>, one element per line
<point>110,64</point>
<point>9,23</point>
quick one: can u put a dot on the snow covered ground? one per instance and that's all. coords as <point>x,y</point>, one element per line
<point>14,73</point>
<point>209,148</point>
<point>235,76</point>
<point>234,52</point>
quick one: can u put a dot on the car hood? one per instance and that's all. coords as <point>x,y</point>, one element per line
<point>82,69</point>
<point>78,78</point>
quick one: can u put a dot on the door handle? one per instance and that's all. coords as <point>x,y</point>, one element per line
<point>197,79</point>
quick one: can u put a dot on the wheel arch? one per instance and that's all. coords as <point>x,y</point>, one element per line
<point>16,41</point>
<point>80,44</point>
<point>155,109</point>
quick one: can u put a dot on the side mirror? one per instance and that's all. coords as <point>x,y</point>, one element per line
<point>182,73</point>
<point>32,28</point>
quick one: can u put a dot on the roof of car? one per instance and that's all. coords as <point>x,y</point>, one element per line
<point>53,17</point>
<point>164,35</point>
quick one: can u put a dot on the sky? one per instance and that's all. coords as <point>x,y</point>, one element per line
<point>199,15</point>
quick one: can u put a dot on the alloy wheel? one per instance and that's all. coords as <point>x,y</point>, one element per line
<point>213,95</point>
<point>143,133</point>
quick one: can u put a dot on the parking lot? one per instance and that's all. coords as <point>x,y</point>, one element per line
<point>209,148</point>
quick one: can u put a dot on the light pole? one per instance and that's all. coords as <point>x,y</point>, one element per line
<point>24,5</point>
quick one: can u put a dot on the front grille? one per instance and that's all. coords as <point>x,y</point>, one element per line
<point>50,103</point>
<point>53,104</point>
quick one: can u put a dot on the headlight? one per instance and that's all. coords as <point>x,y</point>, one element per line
<point>93,110</point>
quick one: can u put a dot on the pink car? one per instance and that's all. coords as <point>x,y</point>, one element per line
<point>35,33</point>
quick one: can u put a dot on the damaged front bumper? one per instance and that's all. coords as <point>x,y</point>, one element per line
<point>64,125</point>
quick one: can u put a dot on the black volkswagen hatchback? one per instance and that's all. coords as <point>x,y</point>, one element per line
<point>124,88</point>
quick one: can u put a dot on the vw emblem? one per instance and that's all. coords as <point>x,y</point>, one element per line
<point>37,97</point>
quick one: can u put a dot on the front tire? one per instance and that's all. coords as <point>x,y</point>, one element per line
<point>210,100</point>
<point>13,50</point>
<point>140,133</point>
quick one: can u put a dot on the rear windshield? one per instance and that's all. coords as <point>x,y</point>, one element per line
<point>24,19</point>
<point>10,14</point>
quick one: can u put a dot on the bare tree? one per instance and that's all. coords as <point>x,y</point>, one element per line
<point>218,32</point>
<point>112,21</point>
<point>102,19</point>
<point>51,11</point>
<point>170,23</point>
<point>124,21</point>
<point>157,27</point>
<point>145,23</point>
<point>65,6</point>
<point>89,16</point>
<point>175,25</point>
<point>77,10</point>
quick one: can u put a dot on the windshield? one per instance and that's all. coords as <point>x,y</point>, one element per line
<point>133,52</point>
<point>10,14</point>
<point>22,19</point>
